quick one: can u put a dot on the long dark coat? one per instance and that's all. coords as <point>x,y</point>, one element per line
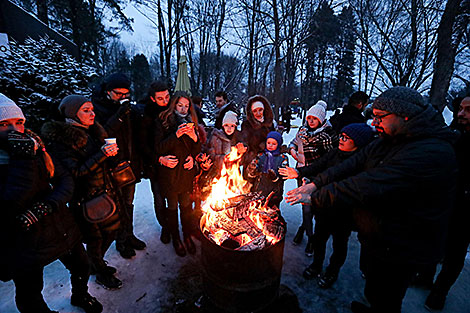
<point>79,149</point>
<point>23,182</point>
<point>349,115</point>
<point>406,183</point>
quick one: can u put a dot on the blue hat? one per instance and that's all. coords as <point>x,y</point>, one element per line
<point>360,133</point>
<point>276,136</point>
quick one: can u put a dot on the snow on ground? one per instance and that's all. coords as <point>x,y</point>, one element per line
<point>157,280</point>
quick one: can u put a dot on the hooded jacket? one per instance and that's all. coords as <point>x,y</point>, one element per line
<point>254,132</point>
<point>405,183</point>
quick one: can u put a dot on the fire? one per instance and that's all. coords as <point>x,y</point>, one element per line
<point>233,215</point>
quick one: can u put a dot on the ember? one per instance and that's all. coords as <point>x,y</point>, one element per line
<point>237,219</point>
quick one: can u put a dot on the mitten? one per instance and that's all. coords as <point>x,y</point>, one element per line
<point>125,108</point>
<point>21,145</point>
<point>33,215</point>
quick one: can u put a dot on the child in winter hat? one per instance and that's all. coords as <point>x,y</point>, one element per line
<point>9,109</point>
<point>318,110</point>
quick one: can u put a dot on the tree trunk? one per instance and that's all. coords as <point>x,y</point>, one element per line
<point>444,66</point>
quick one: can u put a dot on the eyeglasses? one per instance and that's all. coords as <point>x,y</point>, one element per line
<point>379,118</point>
<point>344,137</point>
<point>121,94</point>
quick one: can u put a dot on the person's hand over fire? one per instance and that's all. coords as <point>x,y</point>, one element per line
<point>301,194</point>
<point>168,160</point>
<point>189,163</point>
<point>288,172</point>
<point>204,161</point>
<point>252,171</point>
<point>241,149</point>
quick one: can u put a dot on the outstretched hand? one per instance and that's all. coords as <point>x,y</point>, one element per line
<point>301,194</point>
<point>288,172</point>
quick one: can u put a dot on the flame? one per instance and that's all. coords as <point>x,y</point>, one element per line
<point>229,185</point>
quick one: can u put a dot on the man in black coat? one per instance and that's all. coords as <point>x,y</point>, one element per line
<point>113,111</point>
<point>405,183</point>
<point>351,113</point>
<point>36,226</point>
<point>155,103</point>
<point>459,230</point>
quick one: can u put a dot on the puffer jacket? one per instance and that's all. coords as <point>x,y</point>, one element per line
<point>23,182</point>
<point>406,183</point>
<point>253,132</point>
<point>79,149</point>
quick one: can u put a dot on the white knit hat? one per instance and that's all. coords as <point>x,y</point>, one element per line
<point>230,118</point>
<point>257,104</point>
<point>318,110</point>
<point>8,109</point>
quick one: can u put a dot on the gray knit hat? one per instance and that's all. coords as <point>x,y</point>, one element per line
<point>403,101</point>
<point>318,110</point>
<point>9,109</point>
<point>70,105</point>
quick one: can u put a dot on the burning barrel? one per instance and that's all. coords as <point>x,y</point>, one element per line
<point>241,280</point>
<point>242,243</point>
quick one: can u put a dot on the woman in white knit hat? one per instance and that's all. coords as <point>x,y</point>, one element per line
<point>314,139</point>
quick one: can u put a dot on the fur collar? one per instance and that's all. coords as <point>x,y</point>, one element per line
<point>268,112</point>
<point>72,136</point>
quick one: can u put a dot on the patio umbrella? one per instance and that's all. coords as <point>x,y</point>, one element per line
<point>182,81</point>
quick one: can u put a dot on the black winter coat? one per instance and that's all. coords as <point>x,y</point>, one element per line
<point>175,179</point>
<point>349,115</point>
<point>23,182</point>
<point>406,183</point>
<point>79,149</point>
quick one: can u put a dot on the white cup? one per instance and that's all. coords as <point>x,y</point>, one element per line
<point>110,141</point>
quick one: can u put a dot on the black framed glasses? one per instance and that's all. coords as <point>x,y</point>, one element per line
<point>121,94</point>
<point>379,118</point>
<point>344,137</point>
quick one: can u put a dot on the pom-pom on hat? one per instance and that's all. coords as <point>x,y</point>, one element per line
<point>117,80</point>
<point>70,105</point>
<point>403,101</point>
<point>230,118</point>
<point>360,133</point>
<point>9,109</point>
<point>318,110</point>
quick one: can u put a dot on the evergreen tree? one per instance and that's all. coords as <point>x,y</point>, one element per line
<point>344,84</point>
<point>140,75</point>
<point>38,74</point>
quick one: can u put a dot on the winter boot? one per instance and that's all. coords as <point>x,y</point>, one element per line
<point>108,281</point>
<point>189,244</point>
<point>299,236</point>
<point>327,280</point>
<point>312,271</point>
<point>165,236</point>
<point>125,250</point>
<point>175,234</point>
<point>136,243</point>
<point>435,301</point>
<point>88,303</point>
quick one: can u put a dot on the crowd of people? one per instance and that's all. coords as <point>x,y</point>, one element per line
<point>394,182</point>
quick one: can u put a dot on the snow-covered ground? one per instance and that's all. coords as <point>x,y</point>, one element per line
<point>157,280</point>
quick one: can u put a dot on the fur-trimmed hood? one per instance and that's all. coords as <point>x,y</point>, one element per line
<point>268,112</point>
<point>70,135</point>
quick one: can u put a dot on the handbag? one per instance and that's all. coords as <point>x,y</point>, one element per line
<point>99,208</point>
<point>123,174</point>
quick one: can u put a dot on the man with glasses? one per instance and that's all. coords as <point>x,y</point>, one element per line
<point>404,182</point>
<point>111,102</point>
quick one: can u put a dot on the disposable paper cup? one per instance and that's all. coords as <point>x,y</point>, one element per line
<point>110,141</point>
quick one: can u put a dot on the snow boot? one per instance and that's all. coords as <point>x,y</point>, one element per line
<point>136,243</point>
<point>88,303</point>
<point>309,247</point>
<point>312,271</point>
<point>108,281</point>
<point>125,250</point>
<point>175,234</point>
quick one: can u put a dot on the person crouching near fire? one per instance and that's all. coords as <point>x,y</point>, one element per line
<point>263,171</point>
<point>36,226</point>
<point>351,139</point>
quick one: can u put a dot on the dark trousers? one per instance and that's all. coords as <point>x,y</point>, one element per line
<point>158,203</point>
<point>325,228</point>
<point>386,283</point>
<point>185,205</point>
<point>127,214</point>
<point>454,259</point>
<point>307,219</point>
<point>98,242</point>
<point>29,281</point>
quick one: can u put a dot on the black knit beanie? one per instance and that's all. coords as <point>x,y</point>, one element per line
<point>360,133</point>
<point>70,105</point>
<point>117,80</point>
<point>403,101</point>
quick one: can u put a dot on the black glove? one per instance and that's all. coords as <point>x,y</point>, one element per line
<point>33,215</point>
<point>124,109</point>
<point>21,145</point>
